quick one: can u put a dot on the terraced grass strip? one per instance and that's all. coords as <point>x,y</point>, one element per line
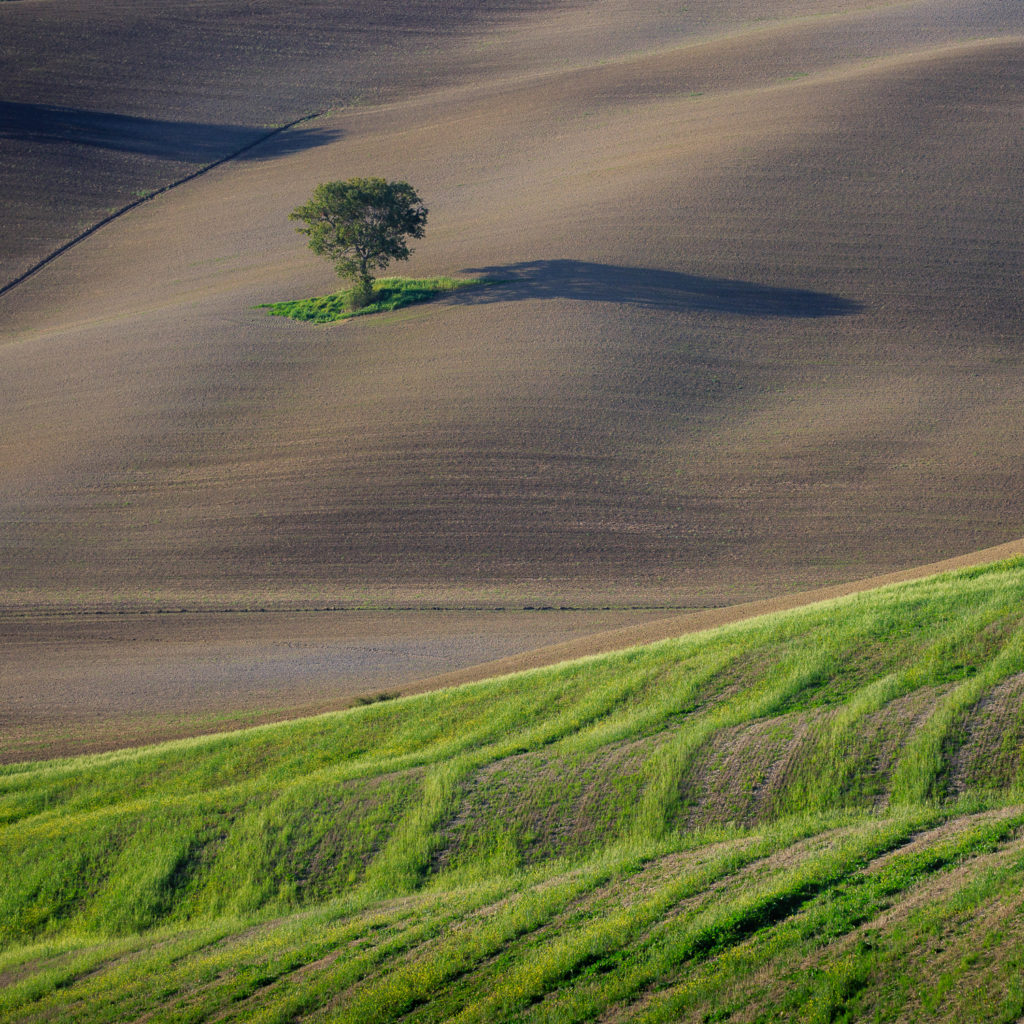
<point>850,908</point>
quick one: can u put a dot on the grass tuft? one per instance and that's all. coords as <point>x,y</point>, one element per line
<point>389,293</point>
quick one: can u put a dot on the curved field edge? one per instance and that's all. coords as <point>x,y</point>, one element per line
<point>812,814</point>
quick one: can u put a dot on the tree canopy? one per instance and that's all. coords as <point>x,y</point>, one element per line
<point>361,225</point>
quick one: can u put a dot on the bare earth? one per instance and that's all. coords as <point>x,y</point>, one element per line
<point>80,683</point>
<point>757,332</point>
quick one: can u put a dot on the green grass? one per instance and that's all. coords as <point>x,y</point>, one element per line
<point>814,816</point>
<point>389,293</point>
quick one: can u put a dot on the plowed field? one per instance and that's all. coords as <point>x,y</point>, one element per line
<point>758,326</point>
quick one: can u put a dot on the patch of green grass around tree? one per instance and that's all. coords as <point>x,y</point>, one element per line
<point>389,293</point>
<point>804,817</point>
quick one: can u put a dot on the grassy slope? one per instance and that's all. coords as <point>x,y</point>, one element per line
<point>816,814</point>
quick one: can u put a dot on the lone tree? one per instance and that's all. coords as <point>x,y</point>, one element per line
<point>361,225</point>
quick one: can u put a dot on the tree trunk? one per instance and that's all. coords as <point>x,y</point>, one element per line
<point>363,290</point>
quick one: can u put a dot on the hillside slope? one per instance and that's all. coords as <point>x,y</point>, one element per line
<point>103,103</point>
<point>757,332</point>
<point>813,816</point>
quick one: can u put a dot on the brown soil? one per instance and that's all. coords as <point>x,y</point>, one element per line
<point>992,746</point>
<point>77,682</point>
<point>103,103</point>
<point>82,683</point>
<point>757,331</point>
<point>551,805</point>
<point>884,735</point>
<point>743,772</point>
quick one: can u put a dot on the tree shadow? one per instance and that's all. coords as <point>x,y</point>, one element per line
<point>651,289</point>
<point>185,141</point>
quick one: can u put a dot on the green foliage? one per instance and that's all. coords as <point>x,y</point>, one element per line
<point>770,820</point>
<point>387,294</point>
<point>361,225</point>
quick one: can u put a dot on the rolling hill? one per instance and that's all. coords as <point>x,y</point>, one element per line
<point>758,332</point>
<point>814,815</point>
<point>758,327</point>
<point>753,331</point>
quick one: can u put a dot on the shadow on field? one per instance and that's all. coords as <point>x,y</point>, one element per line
<point>185,141</point>
<point>653,289</point>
